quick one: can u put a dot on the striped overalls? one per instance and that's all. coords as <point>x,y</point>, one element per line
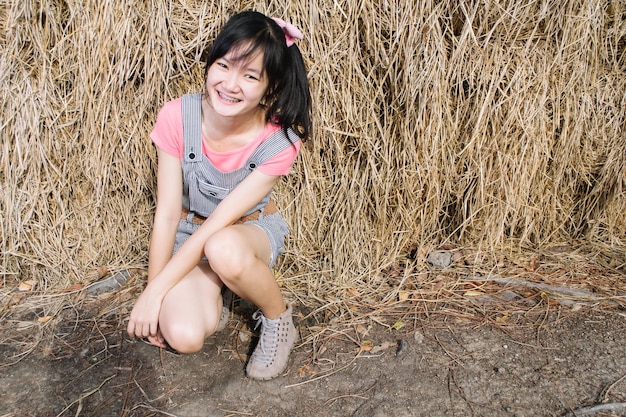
<point>204,186</point>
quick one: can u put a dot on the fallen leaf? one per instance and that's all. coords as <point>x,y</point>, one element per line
<point>503,319</point>
<point>75,287</point>
<point>534,263</point>
<point>26,285</point>
<point>103,271</point>
<point>398,324</point>
<point>457,256</point>
<point>366,346</point>
<point>362,330</point>
<point>306,371</point>
<point>381,347</point>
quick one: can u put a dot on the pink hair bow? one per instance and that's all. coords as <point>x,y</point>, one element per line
<point>291,32</point>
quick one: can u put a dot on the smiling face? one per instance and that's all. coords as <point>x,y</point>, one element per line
<point>235,86</point>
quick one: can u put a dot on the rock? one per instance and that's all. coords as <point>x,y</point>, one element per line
<point>112,283</point>
<point>440,259</point>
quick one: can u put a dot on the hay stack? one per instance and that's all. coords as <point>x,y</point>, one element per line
<point>481,124</point>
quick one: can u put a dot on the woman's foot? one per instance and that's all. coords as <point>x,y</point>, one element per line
<point>271,354</point>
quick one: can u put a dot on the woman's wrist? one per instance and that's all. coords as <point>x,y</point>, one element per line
<point>155,288</point>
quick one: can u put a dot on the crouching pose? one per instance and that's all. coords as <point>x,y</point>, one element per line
<point>219,155</point>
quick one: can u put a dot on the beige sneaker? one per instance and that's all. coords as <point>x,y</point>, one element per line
<point>224,317</point>
<point>271,354</point>
<point>227,300</point>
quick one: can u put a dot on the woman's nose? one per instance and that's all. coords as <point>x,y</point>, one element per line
<point>230,81</point>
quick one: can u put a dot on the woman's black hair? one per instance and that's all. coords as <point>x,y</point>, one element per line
<point>288,98</point>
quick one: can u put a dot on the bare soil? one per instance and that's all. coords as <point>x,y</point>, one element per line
<point>556,363</point>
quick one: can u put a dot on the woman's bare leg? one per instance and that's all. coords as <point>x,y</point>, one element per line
<point>240,255</point>
<point>191,310</point>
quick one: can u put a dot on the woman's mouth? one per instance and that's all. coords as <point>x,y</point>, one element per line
<point>227,98</point>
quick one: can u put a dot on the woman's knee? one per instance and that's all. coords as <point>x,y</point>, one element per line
<point>187,315</point>
<point>227,253</point>
<point>183,337</point>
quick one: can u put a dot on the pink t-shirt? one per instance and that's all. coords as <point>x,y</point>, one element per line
<point>167,134</point>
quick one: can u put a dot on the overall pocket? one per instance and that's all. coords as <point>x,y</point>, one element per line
<point>212,191</point>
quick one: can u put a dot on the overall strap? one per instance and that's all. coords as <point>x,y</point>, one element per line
<point>272,146</point>
<point>192,127</point>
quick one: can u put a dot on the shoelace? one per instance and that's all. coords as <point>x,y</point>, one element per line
<point>268,337</point>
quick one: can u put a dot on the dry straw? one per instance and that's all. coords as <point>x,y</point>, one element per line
<point>490,125</point>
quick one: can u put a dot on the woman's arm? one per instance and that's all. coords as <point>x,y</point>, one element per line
<point>240,200</point>
<point>168,212</point>
<point>166,219</point>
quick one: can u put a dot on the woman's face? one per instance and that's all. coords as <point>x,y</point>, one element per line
<point>235,87</point>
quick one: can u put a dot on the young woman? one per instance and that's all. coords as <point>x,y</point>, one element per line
<point>220,153</point>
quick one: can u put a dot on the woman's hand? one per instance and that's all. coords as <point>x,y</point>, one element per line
<point>144,318</point>
<point>157,340</point>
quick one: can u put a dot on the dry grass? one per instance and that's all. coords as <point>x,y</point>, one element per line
<point>497,126</point>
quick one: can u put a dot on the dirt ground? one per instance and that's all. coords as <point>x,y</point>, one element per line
<point>554,363</point>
